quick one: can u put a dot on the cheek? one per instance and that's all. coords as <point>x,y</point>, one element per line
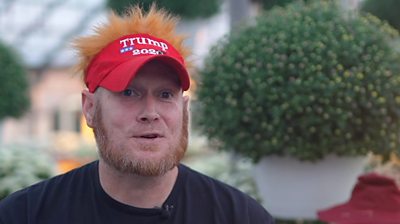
<point>175,121</point>
<point>115,120</point>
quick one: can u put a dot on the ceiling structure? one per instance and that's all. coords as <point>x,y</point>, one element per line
<point>41,30</point>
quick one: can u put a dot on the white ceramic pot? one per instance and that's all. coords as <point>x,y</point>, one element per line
<point>292,189</point>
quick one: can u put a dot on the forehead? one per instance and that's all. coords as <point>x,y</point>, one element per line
<point>156,72</point>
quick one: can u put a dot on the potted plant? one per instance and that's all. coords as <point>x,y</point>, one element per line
<point>304,84</point>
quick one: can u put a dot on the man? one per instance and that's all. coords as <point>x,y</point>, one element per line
<point>136,74</point>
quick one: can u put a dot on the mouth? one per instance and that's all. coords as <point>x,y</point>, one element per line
<point>149,136</point>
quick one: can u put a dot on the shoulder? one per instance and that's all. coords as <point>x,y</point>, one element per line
<point>225,197</point>
<point>202,182</point>
<point>29,200</point>
<point>13,208</point>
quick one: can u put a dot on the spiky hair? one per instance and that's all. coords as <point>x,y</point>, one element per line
<point>156,22</point>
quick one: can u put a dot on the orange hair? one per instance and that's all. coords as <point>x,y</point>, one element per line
<point>155,22</point>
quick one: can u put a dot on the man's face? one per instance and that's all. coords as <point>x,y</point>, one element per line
<point>142,130</point>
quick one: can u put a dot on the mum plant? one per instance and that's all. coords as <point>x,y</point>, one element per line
<point>304,81</point>
<point>387,10</point>
<point>22,166</point>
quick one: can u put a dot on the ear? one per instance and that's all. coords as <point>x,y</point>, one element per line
<point>88,107</point>
<point>186,100</point>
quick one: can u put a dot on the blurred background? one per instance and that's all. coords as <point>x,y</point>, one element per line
<point>42,130</point>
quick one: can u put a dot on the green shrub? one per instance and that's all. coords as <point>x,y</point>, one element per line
<point>14,98</point>
<point>185,8</point>
<point>387,10</point>
<point>304,81</point>
<point>21,167</point>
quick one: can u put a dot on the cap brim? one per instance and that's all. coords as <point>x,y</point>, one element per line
<point>347,214</point>
<point>120,77</point>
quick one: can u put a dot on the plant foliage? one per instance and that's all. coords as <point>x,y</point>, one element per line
<point>189,9</point>
<point>14,98</point>
<point>387,10</point>
<point>21,167</point>
<point>304,81</point>
<point>269,4</point>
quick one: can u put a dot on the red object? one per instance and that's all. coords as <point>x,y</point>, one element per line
<point>117,64</point>
<point>375,200</point>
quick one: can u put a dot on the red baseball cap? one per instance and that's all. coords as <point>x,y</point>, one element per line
<point>375,200</point>
<point>116,64</point>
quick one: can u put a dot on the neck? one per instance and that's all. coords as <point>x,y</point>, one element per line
<point>135,190</point>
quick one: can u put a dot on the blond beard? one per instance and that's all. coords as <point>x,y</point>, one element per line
<point>109,152</point>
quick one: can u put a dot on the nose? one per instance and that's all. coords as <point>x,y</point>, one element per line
<point>149,112</point>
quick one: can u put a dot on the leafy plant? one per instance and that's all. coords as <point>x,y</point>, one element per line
<point>13,84</point>
<point>21,167</point>
<point>304,81</point>
<point>189,9</point>
<point>385,10</point>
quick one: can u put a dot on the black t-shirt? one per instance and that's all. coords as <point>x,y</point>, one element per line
<point>77,197</point>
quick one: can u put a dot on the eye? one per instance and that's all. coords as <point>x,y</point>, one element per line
<point>166,95</point>
<point>129,92</point>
